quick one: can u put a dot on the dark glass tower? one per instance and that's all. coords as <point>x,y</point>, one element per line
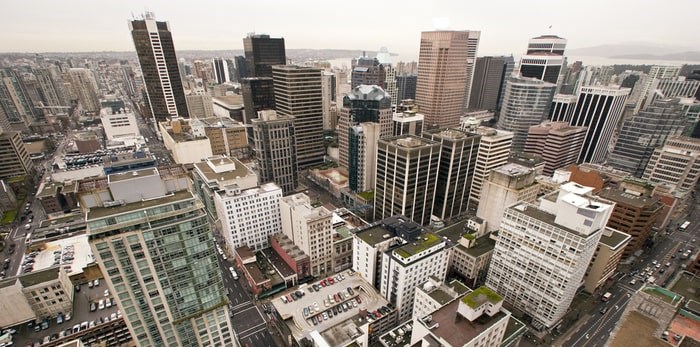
<point>161,73</point>
<point>261,53</point>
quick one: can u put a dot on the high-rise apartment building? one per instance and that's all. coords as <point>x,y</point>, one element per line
<point>151,239</point>
<point>364,103</point>
<point>262,52</point>
<point>487,82</point>
<point>13,155</point>
<point>328,88</point>
<point>221,70</point>
<point>526,102</point>
<point>214,173</point>
<point>362,156</point>
<point>298,93</point>
<point>562,109</point>
<point>407,170</point>
<point>643,132</point>
<point>679,87</point>
<point>505,186</point>
<point>494,150</point>
<point>558,143</point>
<point>155,49</point>
<point>542,252</point>
<point>676,163</point>
<point>310,228</point>
<point>643,87</point>
<point>274,143</point>
<point>249,216</point>
<point>544,58</point>
<point>51,93</point>
<point>458,159</point>
<point>14,99</point>
<point>444,74</point>
<point>83,82</point>
<point>599,109</point>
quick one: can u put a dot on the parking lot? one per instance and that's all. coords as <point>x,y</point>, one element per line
<point>81,315</point>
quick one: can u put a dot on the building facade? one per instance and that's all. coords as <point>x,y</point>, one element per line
<point>505,186</point>
<point>13,155</point>
<point>544,58</point>
<point>676,163</point>
<point>526,102</point>
<point>151,239</point>
<point>444,75</point>
<point>298,93</point>
<point>494,150</point>
<point>311,229</point>
<point>486,85</point>
<point>165,96</point>
<point>599,109</point>
<point>262,52</point>
<point>274,143</point>
<point>407,170</point>
<point>558,143</point>
<point>562,107</point>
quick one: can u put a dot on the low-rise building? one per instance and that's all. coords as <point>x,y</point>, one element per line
<point>38,294</point>
<point>57,197</point>
<point>605,259</point>
<point>344,223</point>
<point>434,294</point>
<point>474,319</point>
<point>214,173</point>
<point>471,258</point>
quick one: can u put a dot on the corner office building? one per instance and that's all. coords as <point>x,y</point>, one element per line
<point>161,74</point>
<point>542,252</point>
<point>407,170</point>
<point>152,241</point>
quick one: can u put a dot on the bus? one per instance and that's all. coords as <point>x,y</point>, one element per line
<point>684,226</point>
<point>606,297</point>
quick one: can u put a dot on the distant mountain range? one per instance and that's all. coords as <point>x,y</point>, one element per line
<point>645,51</point>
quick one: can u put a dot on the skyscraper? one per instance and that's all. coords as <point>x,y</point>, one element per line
<point>457,163</point>
<point>364,103</point>
<point>274,142</point>
<point>14,99</point>
<point>258,95</point>
<point>494,150</point>
<point>406,84</point>
<point>676,163</point>
<point>159,67</point>
<point>656,72</point>
<point>558,143</point>
<point>151,239</point>
<point>443,75</point>
<point>542,252</point>
<point>83,82</point>
<point>221,70</point>
<point>643,132</point>
<point>487,82</point>
<point>367,71</point>
<point>13,155</point>
<point>298,93</point>
<point>544,58</point>
<point>262,52</point>
<point>598,109</point>
<point>526,102</point>
<point>563,106</point>
<point>407,170</point>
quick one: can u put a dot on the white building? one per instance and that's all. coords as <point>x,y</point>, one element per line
<point>119,124</point>
<point>542,252</point>
<point>184,146</point>
<point>364,167</point>
<point>310,228</point>
<point>409,265</point>
<point>494,150</point>
<point>476,319</point>
<point>434,294</point>
<point>38,294</point>
<point>248,217</point>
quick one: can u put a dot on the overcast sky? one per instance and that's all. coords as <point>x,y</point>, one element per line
<point>506,25</point>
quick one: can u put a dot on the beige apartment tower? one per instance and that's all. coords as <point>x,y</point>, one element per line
<point>676,163</point>
<point>444,75</point>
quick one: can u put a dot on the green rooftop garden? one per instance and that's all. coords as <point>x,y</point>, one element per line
<point>425,241</point>
<point>8,217</point>
<point>481,295</point>
<point>469,237</point>
<point>368,195</point>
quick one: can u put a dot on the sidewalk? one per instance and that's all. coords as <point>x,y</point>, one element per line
<point>572,320</point>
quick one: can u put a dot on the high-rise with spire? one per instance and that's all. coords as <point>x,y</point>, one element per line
<point>161,74</point>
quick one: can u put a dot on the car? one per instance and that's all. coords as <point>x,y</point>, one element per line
<point>351,291</point>
<point>90,284</point>
<point>97,282</point>
<point>290,298</point>
<point>354,303</point>
<point>77,287</point>
<point>59,319</point>
<point>633,282</point>
<point>106,292</point>
<point>68,317</point>
<point>668,264</point>
<point>284,299</point>
<point>319,317</point>
<point>113,316</point>
<point>108,303</point>
<point>331,280</point>
<point>92,324</point>
<point>662,270</point>
<point>325,315</point>
<point>604,310</point>
<point>101,305</point>
<point>93,307</point>
<point>358,300</point>
<point>313,320</point>
<point>306,311</point>
<point>9,331</point>
<point>84,325</point>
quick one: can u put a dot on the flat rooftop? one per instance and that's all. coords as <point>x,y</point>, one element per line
<point>453,232</point>
<point>410,142</point>
<point>636,330</point>
<point>446,292</point>
<point>424,241</point>
<point>300,326</point>
<point>82,254</point>
<point>375,235</point>
<point>480,296</point>
<point>642,202</point>
<point>666,295</point>
<point>101,212</point>
<point>460,331</point>
<point>534,212</point>
<point>513,170</point>
<point>482,246</point>
<point>210,175</point>
<point>615,240</point>
<point>686,284</point>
